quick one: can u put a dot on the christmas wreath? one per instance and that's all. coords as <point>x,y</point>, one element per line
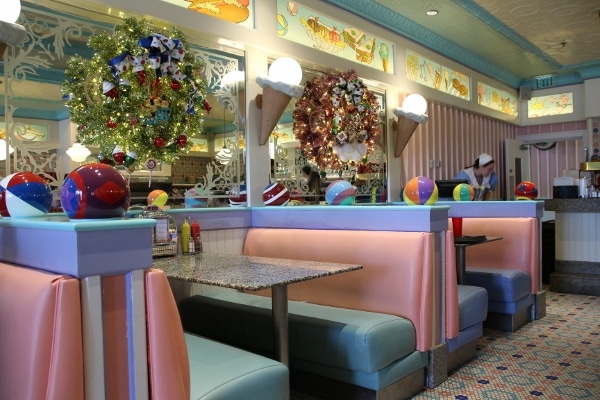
<point>139,97</point>
<point>336,120</point>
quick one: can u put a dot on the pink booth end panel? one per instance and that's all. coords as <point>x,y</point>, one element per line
<point>41,350</point>
<point>168,364</point>
<point>397,278</point>
<point>452,310</point>
<point>518,249</point>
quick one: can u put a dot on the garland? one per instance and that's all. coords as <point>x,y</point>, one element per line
<point>336,120</point>
<point>140,96</point>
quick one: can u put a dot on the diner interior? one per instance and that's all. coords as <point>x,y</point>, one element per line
<point>280,217</point>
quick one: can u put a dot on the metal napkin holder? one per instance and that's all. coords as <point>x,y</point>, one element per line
<point>164,234</point>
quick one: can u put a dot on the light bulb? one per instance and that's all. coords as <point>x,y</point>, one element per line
<point>415,103</point>
<point>286,70</point>
<point>11,12</point>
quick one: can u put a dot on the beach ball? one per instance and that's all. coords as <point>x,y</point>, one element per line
<point>239,197</point>
<point>282,25</point>
<point>340,193</point>
<point>275,194</point>
<point>420,190</point>
<point>95,191</point>
<point>463,192</point>
<point>157,198</point>
<point>24,194</point>
<point>526,191</point>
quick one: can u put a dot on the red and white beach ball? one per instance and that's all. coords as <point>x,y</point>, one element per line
<point>526,191</point>
<point>340,193</point>
<point>95,191</point>
<point>238,197</point>
<point>275,194</point>
<point>420,190</point>
<point>24,194</point>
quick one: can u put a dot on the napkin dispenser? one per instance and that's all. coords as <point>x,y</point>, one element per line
<point>164,234</point>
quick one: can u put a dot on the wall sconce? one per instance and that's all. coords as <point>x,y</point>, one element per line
<point>78,152</point>
<point>3,145</point>
<point>279,87</point>
<point>410,115</point>
<point>10,33</point>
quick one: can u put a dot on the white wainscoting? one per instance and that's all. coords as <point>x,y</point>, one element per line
<point>577,236</point>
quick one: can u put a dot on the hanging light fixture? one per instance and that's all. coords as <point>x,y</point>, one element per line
<point>224,155</point>
<point>78,152</point>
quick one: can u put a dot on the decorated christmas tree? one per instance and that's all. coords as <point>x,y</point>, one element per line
<point>140,97</point>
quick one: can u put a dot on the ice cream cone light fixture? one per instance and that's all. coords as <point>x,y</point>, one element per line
<point>410,115</point>
<point>10,33</point>
<point>281,84</point>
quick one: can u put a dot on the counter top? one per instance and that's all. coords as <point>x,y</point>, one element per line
<point>590,205</point>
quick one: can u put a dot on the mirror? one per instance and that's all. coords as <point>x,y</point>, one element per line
<point>36,120</point>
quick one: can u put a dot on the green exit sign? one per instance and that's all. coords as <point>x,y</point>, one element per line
<point>543,81</point>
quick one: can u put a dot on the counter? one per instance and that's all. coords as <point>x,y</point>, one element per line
<point>577,254</point>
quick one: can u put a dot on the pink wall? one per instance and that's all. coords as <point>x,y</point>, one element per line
<point>549,164</point>
<point>453,138</point>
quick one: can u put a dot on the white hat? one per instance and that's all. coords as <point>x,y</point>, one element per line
<point>484,158</point>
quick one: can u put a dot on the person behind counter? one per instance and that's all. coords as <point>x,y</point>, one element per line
<point>481,176</point>
<point>313,181</point>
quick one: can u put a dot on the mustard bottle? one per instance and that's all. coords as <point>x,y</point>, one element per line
<point>185,236</point>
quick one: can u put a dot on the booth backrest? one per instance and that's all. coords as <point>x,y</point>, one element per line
<point>41,348</point>
<point>397,276</point>
<point>518,249</point>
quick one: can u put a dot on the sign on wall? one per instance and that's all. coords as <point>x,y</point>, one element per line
<point>554,104</point>
<point>236,11</point>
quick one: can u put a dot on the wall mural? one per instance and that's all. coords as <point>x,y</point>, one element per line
<point>497,99</point>
<point>311,28</point>
<point>554,104</point>
<point>237,11</point>
<point>434,75</point>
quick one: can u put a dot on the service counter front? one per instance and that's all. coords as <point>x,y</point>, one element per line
<point>577,255</point>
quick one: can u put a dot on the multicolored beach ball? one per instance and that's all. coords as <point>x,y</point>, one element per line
<point>95,191</point>
<point>463,192</point>
<point>275,194</point>
<point>340,193</point>
<point>420,190</point>
<point>239,197</point>
<point>526,191</point>
<point>24,194</point>
<point>157,197</point>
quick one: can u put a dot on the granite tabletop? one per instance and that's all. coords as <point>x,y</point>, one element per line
<point>246,272</point>
<point>582,205</point>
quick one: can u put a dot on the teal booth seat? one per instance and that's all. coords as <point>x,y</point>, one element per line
<point>367,349</point>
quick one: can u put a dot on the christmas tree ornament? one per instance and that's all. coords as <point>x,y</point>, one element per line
<point>159,142</point>
<point>182,140</point>
<point>118,155</point>
<point>130,158</point>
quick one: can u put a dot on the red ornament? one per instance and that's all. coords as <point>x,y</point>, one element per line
<point>182,140</point>
<point>111,124</point>
<point>142,78</point>
<point>206,107</point>
<point>175,85</point>
<point>159,142</point>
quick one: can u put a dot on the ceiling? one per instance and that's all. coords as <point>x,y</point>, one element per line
<point>512,41</point>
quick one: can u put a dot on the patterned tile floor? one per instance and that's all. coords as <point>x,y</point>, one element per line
<point>557,357</point>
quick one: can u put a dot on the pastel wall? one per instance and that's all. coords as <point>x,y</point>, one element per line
<point>452,139</point>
